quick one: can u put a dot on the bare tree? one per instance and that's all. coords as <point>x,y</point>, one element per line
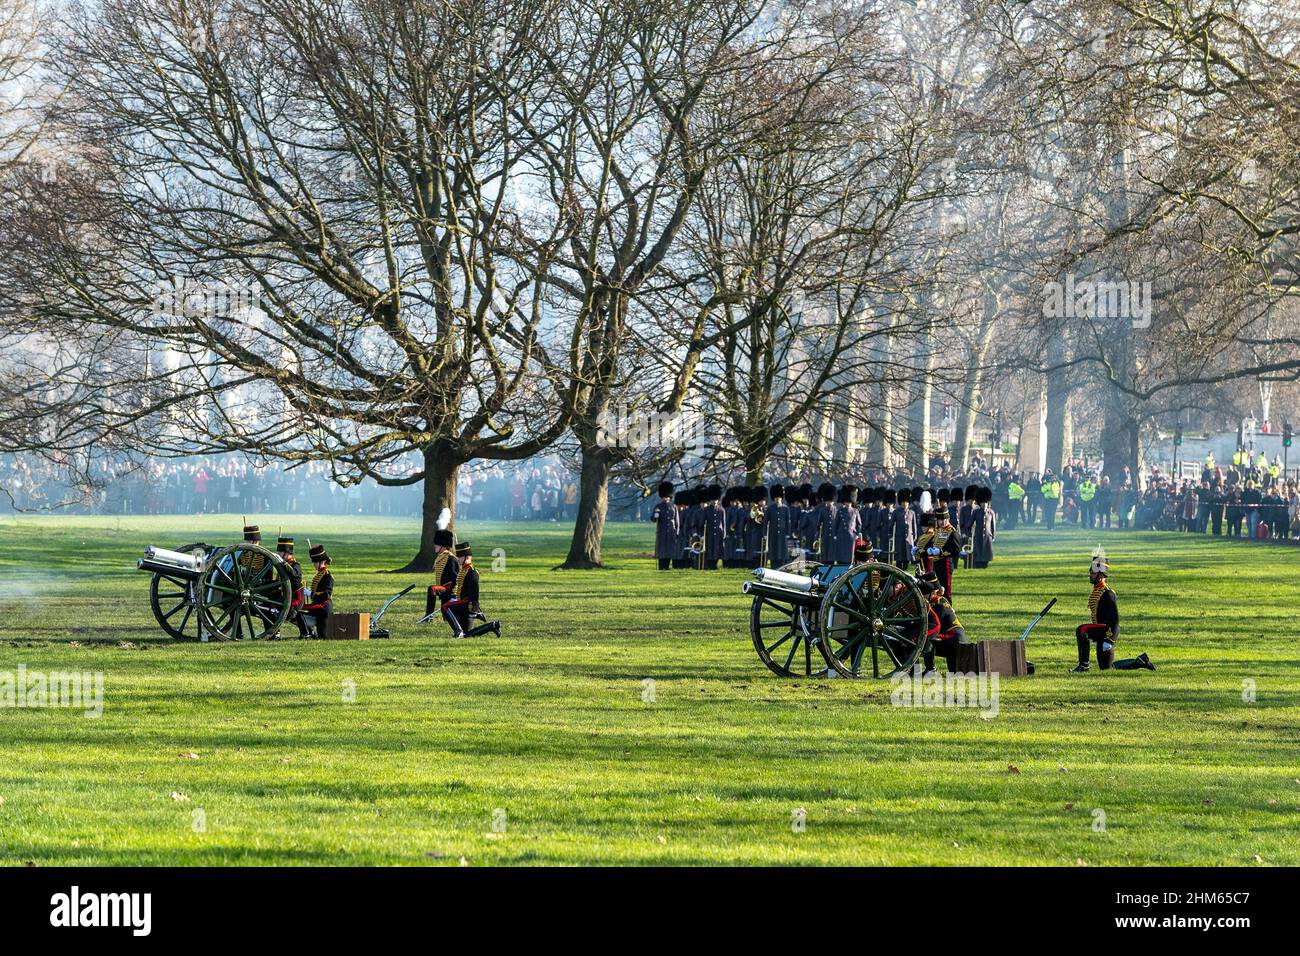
<point>293,212</point>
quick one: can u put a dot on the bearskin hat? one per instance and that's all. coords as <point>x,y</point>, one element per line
<point>942,495</point>
<point>805,491</point>
<point>985,495</point>
<point>442,537</point>
<point>826,491</point>
<point>665,489</point>
<point>778,491</point>
<point>889,496</point>
<point>972,492</point>
<point>846,495</point>
<point>714,492</point>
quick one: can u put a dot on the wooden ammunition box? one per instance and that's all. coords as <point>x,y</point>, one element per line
<point>348,627</point>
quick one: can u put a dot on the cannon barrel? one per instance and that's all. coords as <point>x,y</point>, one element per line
<point>783,579</point>
<point>162,561</point>
<point>787,595</point>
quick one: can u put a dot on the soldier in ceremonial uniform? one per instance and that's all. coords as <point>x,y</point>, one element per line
<point>807,527</point>
<point>984,528</point>
<point>250,561</point>
<point>713,528</point>
<point>965,515</point>
<point>944,630</point>
<point>445,569</point>
<point>667,527</point>
<point>826,509</point>
<point>777,528</point>
<point>461,607</point>
<point>939,545</point>
<point>681,504</point>
<point>846,526</point>
<point>284,548</point>
<point>319,597</point>
<point>1103,628</point>
<point>755,541</point>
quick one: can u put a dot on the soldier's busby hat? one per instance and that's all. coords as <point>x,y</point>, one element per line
<point>318,553</point>
<point>285,544</point>
<point>778,491</point>
<point>985,495</point>
<point>929,583</point>
<point>955,494</point>
<point>972,492</point>
<point>665,489</point>
<point>252,533</point>
<point>942,495</point>
<point>916,493</point>
<point>444,538</point>
<point>714,492</point>
<point>862,551</point>
<point>463,549</point>
<point>1100,563</point>
<point>826,491</point>
<point>847,494</point>
<point>680,497</point>
<point>905,496</point>
<point>889,496</point>
<point>760,494</point>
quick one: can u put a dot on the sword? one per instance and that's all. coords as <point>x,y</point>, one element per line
<point>1037,619</point>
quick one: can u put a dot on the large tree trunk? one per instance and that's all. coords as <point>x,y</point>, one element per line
<point>966,411</point>
<point>1060,417</point>
<point>593,505</point>
<point>441,472</point>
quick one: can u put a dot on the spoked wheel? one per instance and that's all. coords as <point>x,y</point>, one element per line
<point>174,599</point>
<point>873,621</point>
<point>245,593</point>
<point>784,635</point>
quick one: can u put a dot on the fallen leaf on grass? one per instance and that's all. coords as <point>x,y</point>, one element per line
<point>74,643</point>
<point>1069,806</point>
<point>1208,803</point>
<point>178,796</point>
<point>188,755</point>
<point>1012,769</point>
<point>126,644</point>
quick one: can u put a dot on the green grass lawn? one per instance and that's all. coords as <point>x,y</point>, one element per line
<point>549,723</point>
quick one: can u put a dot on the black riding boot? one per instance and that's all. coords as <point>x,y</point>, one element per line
<point>1105,658</point>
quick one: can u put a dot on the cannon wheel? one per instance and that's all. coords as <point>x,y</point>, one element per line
<point>243,597</point>
<point>173,599</point>
<point>872,621</point>
<point>784,635</point>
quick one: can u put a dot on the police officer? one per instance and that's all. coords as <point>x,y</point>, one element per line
<point>1015,501</point>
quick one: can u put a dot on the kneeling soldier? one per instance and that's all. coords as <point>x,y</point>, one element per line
<point>445,570</point>
<point>1104,626</point>
<point>463,607</point>
<point>321,593</point>
<point>944,631</point>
